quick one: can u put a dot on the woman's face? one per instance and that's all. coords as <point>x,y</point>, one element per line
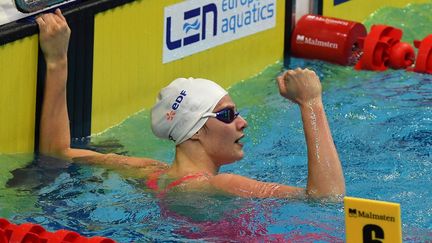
<point>222,140</point>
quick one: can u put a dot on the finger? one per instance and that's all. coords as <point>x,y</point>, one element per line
<point>310,72</point>
<point>60,15</point>
<point>48,18</point>
<point>40,22</point>
<point>290,74</point>
<point>281,77</point>
<point>57,19</point>
<point>281,84</point>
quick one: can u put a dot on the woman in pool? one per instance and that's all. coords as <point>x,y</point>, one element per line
<point>200,117</point>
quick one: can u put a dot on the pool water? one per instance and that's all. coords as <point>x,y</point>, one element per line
<point>381,124</point>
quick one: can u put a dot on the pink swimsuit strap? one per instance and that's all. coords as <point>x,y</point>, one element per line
<point>152,181</point>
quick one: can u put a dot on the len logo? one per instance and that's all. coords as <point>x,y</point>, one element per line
<point>195,25</point>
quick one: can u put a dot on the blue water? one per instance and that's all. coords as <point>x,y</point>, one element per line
<point>381,124</point>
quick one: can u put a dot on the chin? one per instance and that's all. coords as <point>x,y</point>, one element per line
<point>232,160</point>
<point>236,158</point>
<point>241,155</point>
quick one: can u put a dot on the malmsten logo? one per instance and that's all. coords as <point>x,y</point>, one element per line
<point>301,39</point>
<point>370,215</point>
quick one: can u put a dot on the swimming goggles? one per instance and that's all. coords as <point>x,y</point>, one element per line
<point>226,115</point>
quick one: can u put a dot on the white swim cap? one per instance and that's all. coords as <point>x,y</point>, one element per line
<point>177,114</point>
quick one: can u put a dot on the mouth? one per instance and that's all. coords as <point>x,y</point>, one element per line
<point>238,140</point>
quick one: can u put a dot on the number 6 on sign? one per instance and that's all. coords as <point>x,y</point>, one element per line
<point>372,221</point>
<point>372,233</point>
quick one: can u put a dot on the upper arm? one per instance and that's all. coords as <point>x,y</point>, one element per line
<point>92,157</point>
<point>246,187</point>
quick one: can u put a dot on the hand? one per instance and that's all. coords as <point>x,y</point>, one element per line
<point>301,86</point>
<point>54,36</point>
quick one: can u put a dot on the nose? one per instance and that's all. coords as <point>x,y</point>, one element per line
<point>241,123</point>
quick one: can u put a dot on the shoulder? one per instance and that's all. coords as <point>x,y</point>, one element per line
<point>232,183</point>
<point>247,187</point>
<point>226,179</point>
<point>193,182</point>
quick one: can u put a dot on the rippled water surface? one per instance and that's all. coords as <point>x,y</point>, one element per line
<point>382,127</point>
<point>381,124</point>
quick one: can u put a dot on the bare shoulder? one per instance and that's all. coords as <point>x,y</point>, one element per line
<point>241,186</point>
<point>225,179</point>
<point>247,187</point>
<point>195,183</point>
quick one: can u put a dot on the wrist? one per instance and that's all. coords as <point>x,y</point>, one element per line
<point>312,103</point>
<point>56,63</point>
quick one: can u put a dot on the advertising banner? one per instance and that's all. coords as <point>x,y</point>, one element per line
<point>194,26</point>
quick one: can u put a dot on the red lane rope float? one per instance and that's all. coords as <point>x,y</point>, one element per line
<point>382,49</point>
<point>376,47</point>
<point>347,43</point>
<point>329,39</point>
<point>424,57</point>
<point>34,233</point>
<point>401,56</point>
<point>26,233</point>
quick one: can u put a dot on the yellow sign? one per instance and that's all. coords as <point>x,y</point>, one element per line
<point>372,221</point>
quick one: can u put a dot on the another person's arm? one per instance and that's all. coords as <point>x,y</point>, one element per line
<point>54,127</point>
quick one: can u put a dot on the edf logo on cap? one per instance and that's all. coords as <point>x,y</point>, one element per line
<point>178,100</point>
<point>170,115</point>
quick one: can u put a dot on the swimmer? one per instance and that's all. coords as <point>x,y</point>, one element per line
<point>202,120</point>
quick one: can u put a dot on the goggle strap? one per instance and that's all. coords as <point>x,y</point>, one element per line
<point>209,114</point>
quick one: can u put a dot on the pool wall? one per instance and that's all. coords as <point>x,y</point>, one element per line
<point>115,66</point>
<point>116,63</point>
<point>18,71</point>
<point>128,76</point>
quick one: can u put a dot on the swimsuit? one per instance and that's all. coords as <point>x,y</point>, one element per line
<point>153,179</point>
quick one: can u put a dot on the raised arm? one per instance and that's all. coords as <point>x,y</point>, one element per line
<point>54,127</point>
<point>325,176</point>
